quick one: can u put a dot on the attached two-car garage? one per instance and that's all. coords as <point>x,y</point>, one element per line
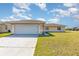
<point>27,27</point>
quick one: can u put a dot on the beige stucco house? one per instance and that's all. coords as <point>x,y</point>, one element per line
<point>54,27</point>
<point>30,27</point>
<point>26,26</point>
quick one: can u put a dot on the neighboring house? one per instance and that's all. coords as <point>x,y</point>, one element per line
<point>75,29</point>
<point>54,27</point>
<point>72,29</point>
<point>3,27</point>
<point>27,27</point>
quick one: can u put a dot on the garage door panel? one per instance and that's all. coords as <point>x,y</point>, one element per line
<point>26,29</point>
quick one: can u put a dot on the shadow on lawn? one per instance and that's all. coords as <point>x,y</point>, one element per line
<point>51,34</point>
<point>46,34</point>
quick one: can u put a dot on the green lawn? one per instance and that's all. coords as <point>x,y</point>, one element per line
<point>4,34</point>
<point>60,44</point>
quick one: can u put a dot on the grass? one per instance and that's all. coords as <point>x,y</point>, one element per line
<point>60,44</point>
<point>4,34</point>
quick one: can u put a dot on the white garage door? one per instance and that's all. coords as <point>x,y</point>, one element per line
<point>26,29</point>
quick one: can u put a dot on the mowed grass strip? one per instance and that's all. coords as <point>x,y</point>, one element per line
<point>4,34</point>
<point>60,44</point>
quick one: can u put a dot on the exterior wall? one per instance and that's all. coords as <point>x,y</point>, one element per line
<point>12,28</point>
<point>54,28</point>
<point>0,28</point>
<point>41,28</point>
<point>3,28</point>
<point>63,28</point>
<point>8,27</point>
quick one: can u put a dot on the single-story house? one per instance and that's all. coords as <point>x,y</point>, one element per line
<point>26,26</point>
<point>29,27</point>
<point>54,27</point>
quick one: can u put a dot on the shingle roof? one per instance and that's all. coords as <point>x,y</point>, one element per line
<point>27,21</point>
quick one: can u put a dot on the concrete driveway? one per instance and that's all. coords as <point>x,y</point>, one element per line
<point>18,45</point>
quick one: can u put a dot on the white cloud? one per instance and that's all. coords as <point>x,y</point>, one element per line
<point>60,12</point>
<point>55,20</point>
<point>19,10</point>
<point>76,17</point>
<point>25,17</point>
<point>64,12</point>
<point>4,20</point>
<point>22,5</point>
<point>42,6</point>
<point>10,18</point>
<point>26,6</point>
<point>19,13</point>
<point>69,4</point>
<point>16,11</point>
<point>73,10</point>
<point>30,15</point>
<point>42,19</point>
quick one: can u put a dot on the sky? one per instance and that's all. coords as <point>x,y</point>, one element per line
<point>60,13</point>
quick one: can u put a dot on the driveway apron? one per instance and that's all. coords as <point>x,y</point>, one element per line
<point>18,45</point>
